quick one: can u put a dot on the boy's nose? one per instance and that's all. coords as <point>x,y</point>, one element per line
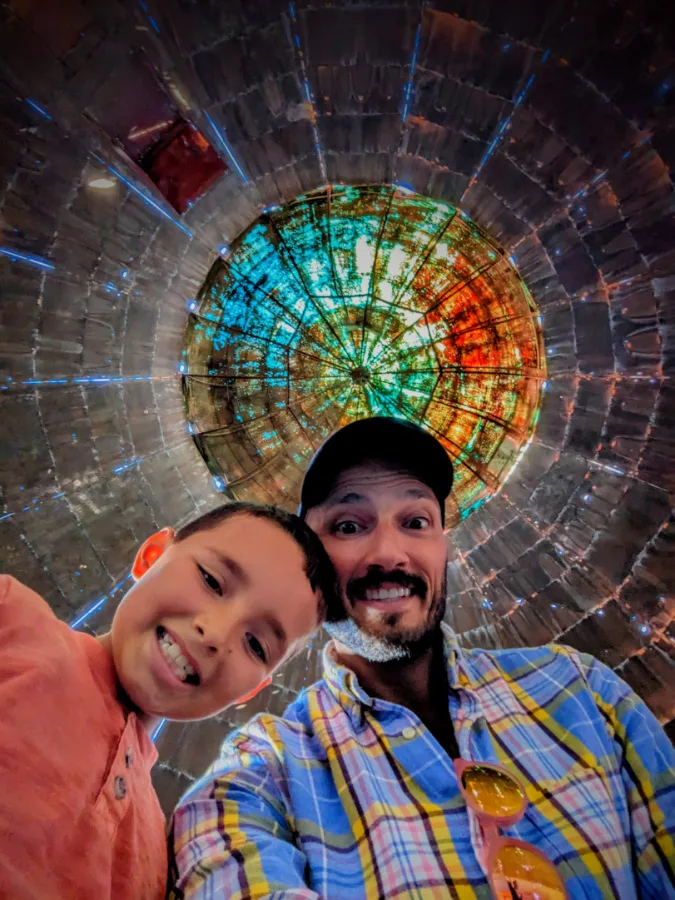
<point>214,630</point>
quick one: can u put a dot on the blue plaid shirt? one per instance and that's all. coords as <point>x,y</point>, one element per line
<point>352,798</point>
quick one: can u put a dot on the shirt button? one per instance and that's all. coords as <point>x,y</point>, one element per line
<point>129,757</point>
<point>120,788</point>
<point>408,733</point>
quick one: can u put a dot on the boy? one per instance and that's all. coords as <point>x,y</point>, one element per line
<point>216,608</point>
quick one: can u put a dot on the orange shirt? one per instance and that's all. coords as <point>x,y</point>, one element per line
<point>78,814</point>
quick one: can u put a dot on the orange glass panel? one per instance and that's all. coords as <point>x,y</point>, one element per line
<point>522,874</point>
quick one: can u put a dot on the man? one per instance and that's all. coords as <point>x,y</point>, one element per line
<point>368,787</point>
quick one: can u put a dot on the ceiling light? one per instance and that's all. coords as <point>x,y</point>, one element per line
<point>101,182</point>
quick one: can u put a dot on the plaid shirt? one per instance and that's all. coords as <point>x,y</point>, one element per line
<point>352,798</point>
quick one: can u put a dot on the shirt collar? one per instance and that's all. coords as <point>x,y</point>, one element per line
<point>345,687</point>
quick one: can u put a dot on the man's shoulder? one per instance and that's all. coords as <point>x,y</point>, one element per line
<point>266,732</point>
<point>267,745</point>
<point>514,658</point>
<point>527,665</point>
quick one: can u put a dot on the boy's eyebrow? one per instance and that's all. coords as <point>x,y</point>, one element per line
<point>232,566</point>
<point>279,632</point>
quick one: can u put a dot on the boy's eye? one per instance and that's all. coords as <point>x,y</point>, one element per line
<point>210,581</point>
<point>347,527</point>
<point>418,523</point>
<point>256,647</point>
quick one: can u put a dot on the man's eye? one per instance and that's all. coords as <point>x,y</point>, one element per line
<point>418,523</point>
<point>210,581</point>
<point>256,647</point>
<point>347,527</point>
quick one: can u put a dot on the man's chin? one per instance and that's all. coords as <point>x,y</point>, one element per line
<point>377,641</point>
<point>363,643</point>
<point>380,644</point>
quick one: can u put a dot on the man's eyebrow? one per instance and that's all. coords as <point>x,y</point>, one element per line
<point>345,499</point>
<point>418,493</point>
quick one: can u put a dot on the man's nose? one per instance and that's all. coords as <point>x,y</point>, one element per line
<point>386,548</point>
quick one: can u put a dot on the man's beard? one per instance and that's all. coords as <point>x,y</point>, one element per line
<point>403,644</point>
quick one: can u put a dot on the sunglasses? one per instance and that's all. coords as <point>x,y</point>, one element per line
<point>516,870</point>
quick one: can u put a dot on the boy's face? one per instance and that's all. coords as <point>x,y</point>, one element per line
<point>212,616</point>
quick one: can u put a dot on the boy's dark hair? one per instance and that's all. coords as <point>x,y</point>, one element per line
<point>318,567</point>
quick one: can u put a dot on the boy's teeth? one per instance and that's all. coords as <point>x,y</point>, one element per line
<point>172,654</point>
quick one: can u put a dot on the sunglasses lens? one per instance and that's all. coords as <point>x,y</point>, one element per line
<point>494,793</point>
<point>521,874</point>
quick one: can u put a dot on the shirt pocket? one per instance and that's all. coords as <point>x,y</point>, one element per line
<point>576,804</point>
<point>579,822</point>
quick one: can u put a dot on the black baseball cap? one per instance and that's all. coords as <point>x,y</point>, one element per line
<point>378,439</point>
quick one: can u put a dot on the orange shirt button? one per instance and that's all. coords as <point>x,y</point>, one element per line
<point>120,788</point>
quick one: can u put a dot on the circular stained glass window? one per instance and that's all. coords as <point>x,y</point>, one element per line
<point>357,301</point>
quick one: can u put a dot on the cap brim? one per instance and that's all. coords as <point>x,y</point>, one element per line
<point>378,439</point>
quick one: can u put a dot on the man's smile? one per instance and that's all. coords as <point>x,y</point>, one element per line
<point>385,593</point>
<point>392,591</point>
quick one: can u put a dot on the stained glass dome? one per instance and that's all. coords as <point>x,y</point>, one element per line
<point>356,301</point>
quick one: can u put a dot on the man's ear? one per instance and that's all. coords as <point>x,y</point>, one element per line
<point>251,694</point>
<point>150,551</point>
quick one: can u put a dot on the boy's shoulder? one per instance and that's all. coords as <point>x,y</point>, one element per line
<point>36,641</point>
<point>20,604</point>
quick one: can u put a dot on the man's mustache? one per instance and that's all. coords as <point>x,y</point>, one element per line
<point>357,587</point>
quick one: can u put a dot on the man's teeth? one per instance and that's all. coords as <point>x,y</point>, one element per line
<point>172,654</point>
<point>387,593</point>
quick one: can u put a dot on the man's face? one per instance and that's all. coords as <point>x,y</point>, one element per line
<point>212,617</point>
<point>382,529</point>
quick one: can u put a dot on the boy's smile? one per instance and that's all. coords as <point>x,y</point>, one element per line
<point>211,617</point>
<point>177,658</point>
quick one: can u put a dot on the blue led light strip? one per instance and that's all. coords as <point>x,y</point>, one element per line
<point>32,506</point>
<point>407,93</point>
<point>226,147</point>
<point>98,604</point>
<point>300,56</point>
<point>158,730</point>
<point>503,127</point>
<point>36,261</point>
<point>85,379</point>
<point>38,109</point>
<point>145,197</point>
<point>129,465</point>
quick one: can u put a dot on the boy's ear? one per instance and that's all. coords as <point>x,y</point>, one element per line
<point>150,551</point>
<point>251,694</point>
